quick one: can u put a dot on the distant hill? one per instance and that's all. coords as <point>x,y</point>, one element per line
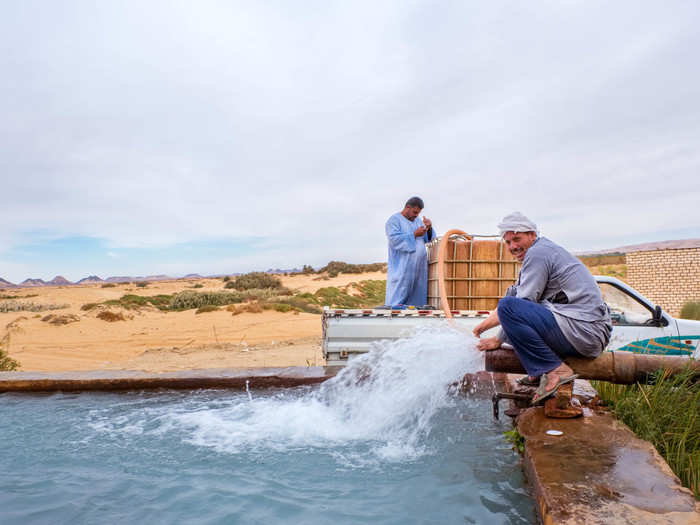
<point>32,282</point>
<point>119,279</point>
<point>90,279</point>
<point>649,246</point>
<point>6,284</point>
<point>59,280</point>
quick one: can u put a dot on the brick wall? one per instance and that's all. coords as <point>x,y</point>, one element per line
<point>667,277</point>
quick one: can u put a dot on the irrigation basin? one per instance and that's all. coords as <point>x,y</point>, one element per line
<point>386,440</point>
<point>222,457</point>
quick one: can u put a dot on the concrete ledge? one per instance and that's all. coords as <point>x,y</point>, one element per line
<point>599,472</point>
<point>109,380</point>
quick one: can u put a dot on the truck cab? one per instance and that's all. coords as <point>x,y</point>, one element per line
<point>640,326</point>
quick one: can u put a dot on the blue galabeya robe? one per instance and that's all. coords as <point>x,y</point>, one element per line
<point>407,276</point>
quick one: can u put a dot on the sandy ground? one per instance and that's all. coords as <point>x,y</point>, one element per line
<point>157,341</point>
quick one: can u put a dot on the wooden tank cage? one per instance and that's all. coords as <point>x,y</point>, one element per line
<point>477,270</point>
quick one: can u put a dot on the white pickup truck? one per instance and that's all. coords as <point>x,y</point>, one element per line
<point>639,326</point>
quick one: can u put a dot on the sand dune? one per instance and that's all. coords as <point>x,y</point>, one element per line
<point>152,340</point>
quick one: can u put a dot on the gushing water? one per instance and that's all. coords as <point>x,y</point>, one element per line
<point>383,403</point>
<point>386,398</point>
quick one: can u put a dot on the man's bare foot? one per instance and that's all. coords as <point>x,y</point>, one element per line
<point>553,379</point>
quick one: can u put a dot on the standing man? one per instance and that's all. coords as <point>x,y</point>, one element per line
<point>407,275</point>
<point>555,309</point>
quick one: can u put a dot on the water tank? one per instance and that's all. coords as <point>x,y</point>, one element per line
<point>477,270</point>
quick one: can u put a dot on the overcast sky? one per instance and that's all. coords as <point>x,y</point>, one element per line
<point>175,137</point>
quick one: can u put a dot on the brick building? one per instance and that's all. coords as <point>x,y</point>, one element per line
<point>669,275</point>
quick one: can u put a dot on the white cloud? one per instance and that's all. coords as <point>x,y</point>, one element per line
<point>149,124</point>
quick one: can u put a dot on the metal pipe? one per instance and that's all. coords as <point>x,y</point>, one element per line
<point>615,367</point>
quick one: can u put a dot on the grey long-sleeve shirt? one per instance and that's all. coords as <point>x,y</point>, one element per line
<point>553,277</point>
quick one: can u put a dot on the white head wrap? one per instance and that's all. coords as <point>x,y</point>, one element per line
<point>517,222</point>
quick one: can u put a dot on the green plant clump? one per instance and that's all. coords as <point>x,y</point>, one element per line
<point>666,413</point>
<point>258,280</point>
<point>691,310</point>
<point>515,438</point>
<point>109,285</point>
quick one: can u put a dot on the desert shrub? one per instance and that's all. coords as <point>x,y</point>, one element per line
<point>109,285</point>
<point>7,364</point>
<point>226,279</point>
<point>60,319</point>
<point>257,280</point>
<point>252,308</point>
<point>111,317</point>
<point>278,307</point>
<point>134,302</point>
<point>18,306</point>
<point>691,310</point>
<point>189,299</point>
<point>307,269</point>
<point>88,306</point>
<point>333,268</point>
<point>142,284</point>
<point>302,302</point>
<point>206,308</point>
<point>198,285</point>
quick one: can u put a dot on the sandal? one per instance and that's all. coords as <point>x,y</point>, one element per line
<point>542,393</point>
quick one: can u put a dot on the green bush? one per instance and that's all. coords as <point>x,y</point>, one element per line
<point>109,285</point>
<point>691,310</point>
<point>259,280</point>
<point>142,284</point>
<point>189,299</point>
<point>333,268</point>
<point>198,285</point>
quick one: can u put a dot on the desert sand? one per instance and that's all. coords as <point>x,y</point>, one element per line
<point>156,341</point>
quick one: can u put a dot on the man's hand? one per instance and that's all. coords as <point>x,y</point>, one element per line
<point>489,322</point>
<point>488,344</point>
<point>428,223</point>
<point>420,231</point>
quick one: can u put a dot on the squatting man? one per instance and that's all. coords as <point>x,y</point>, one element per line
<point>407,269</point>
<point>555,310</point>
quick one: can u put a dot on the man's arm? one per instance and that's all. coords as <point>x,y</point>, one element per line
<point>490,343</point>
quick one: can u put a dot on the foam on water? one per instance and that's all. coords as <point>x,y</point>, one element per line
<point>383,402</point>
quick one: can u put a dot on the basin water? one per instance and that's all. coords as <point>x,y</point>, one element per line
<point>385,441</point>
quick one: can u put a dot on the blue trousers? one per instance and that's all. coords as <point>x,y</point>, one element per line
<point>534,334</point>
